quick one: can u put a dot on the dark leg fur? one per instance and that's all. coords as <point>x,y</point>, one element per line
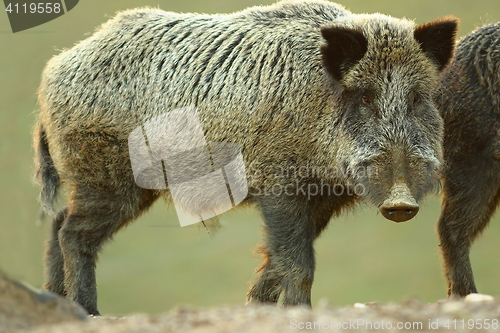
<point>467,210</point>
<point>54,258</point>
<point>268,287</point>
<point>92,219</point>
<point>81,238</point>
<point>291,226</point>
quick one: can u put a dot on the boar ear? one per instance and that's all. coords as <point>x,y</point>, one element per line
<point>437,39</point>
<point>344,48</point>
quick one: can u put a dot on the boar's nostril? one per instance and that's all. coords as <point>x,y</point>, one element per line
<point>399,212</point>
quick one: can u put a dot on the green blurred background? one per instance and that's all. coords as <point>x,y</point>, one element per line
<point>154,265</point>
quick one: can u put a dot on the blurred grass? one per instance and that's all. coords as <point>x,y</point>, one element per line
<point>153,264</point>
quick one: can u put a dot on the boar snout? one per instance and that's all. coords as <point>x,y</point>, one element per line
<point>399,212</point>
<point>400,206</point>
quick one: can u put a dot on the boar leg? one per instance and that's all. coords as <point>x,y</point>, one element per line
<point>94,215</point>
<point>54,260</point>
<point>470,198</point>
<point>291,225</point>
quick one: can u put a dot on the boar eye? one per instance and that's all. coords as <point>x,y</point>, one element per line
<point>416,98</point>
<point>367,100</point>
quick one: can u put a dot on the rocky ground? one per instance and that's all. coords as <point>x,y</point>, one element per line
<point>24,309</point>
<point>478,313</point>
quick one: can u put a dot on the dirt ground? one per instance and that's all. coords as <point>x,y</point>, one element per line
<point>478,313</point>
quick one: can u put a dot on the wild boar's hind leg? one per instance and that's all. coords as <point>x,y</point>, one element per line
<point>94,215</point>
<point>54,258</point>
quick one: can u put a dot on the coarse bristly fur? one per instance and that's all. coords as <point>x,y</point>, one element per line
<point>297,84</point>
<point>469,101</point>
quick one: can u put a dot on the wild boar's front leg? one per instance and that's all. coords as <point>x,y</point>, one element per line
<point>289,255</point>
<point>470,199</point>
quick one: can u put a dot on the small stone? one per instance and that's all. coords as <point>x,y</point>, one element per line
<point>323,304</point>
<point>359,306</point>
<point>479,298</point>
<point>452,307</point>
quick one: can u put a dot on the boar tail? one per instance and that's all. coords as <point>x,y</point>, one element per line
<point>45,171</point>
